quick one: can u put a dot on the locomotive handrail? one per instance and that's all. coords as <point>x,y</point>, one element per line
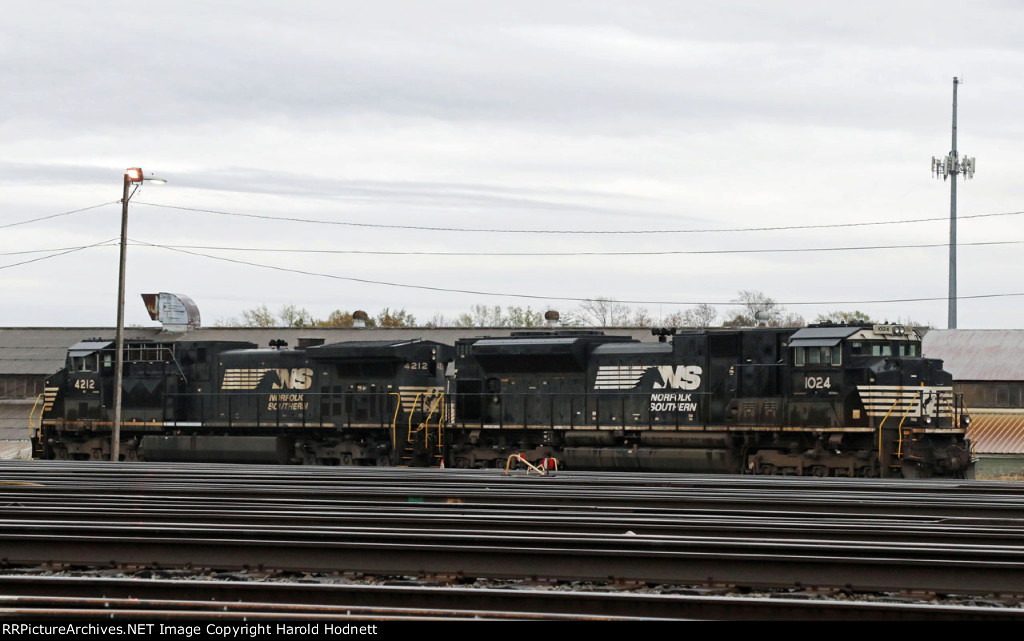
<point>412,410</point>
<point>899,428</point>
<point>426,422</point>
<point>956,417</point>
<point>882,424</point>
<point>581,409</point>
<point>139,350</point>
<point>33,430</point>
<point>394,420</point>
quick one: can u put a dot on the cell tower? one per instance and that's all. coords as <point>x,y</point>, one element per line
<point>951,166</point>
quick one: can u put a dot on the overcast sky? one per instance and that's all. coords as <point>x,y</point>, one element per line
<point>398,125</point>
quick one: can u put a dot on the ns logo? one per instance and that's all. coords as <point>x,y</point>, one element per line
<point>297,378</point>
<point>684,377</point>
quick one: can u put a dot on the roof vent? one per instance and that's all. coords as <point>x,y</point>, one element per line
<point>177,312</point>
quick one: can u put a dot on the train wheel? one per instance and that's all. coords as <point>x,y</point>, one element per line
<point>819,470</point>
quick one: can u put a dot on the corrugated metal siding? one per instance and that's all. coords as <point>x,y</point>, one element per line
<point>14,419</point>
<point>15,450</point>
<point>997,432</point>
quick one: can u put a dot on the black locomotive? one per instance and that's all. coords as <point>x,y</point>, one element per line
<point>822,400</point>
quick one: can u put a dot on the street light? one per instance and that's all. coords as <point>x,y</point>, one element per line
<point>131,176</point>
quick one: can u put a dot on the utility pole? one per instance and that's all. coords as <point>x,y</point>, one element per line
<point>133,176</point>
<point>950,167</point>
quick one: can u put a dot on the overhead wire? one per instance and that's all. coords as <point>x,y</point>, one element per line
<point>66,213</point>
<point>188,249</point>
<point>772,250</point>
<point>571,231</point>
<point>554,298</point>
<point>113,241</point>
<point>60,253</point>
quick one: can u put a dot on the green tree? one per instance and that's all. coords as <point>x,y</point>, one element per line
<point>396,318</point>
<point>342,318</point>
<point>258,317</point>
<point>522,317</point>
<point>845,318</point>
<point>294,316</point>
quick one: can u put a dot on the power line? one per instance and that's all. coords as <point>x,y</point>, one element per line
<point>110,243</point>
<point>66,213</point>
<point>567,231</point>
<point>61,253</point>
<point>555,298</point>
<point>584,253</point>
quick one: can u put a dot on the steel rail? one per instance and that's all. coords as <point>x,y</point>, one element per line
<point>847,534</point>
<point>675,560</point>
<point>216,599</point>
<point>982,504</point>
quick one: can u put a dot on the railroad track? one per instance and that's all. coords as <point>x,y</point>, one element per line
<point>943,538</point>
<point>254,600</point>
<point>594,489</point>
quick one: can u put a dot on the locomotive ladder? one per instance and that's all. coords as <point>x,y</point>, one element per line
<point>897,456</point>
<point>35,429</point>
<point>433,446</point>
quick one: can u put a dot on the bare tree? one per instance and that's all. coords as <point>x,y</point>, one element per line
<point>604,312</point>
<point>440,320</point>
<point>702,315</point>
<point>756,307</point>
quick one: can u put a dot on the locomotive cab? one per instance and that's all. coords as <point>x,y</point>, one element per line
<point>870,388</point>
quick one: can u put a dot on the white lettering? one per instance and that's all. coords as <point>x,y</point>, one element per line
<point>686,377</point>
<point>298,378</point>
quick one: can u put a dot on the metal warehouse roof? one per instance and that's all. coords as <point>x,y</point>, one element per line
<point>978,354</point>
<point>994,432</point>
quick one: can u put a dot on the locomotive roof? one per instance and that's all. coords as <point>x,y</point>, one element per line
<point>41,351</point>
<point>821,336</point>
<point>633,348</point>
<point>84,348</point>
<point>537,340</point>
<point>540,345</point>
<point>392,350</point>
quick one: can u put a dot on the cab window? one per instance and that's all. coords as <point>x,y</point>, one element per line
<point>817,356</point>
